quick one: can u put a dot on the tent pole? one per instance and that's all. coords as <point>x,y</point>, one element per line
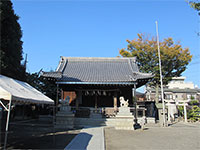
<point>3,106</point>
<point>7,123</point>
<point>54,139</point>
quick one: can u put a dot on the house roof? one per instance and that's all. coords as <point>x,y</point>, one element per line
<point>97,70</point>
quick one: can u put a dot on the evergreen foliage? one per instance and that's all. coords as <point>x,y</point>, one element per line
<point>181,110</point>
<point>195,4</point>
<point>43,85</point>
<point>194,112</point>
<point>11,44</point>
<point>194,102</point>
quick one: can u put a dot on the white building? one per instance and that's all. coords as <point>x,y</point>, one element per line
<point>179,82</point>
<point>177,92</point>
<point>177,89</point>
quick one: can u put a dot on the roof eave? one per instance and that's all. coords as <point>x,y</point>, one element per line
<point>97,83</point>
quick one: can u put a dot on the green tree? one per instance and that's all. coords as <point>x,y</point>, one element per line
<point>42,84</point>
<point>174,58</point>
<point>195,4</point>
<point>11,44</point>
<point>181,110</point>
<point>194,111</point>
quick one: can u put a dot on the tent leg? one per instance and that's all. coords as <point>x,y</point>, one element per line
<point>54,139</point>
<point>7,123</point>
<point>5,141</point>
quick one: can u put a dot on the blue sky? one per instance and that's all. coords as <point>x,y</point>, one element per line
<point>99,28</point>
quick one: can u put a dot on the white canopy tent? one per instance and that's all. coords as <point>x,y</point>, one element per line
<point>15,91</point>
<point>21,92</point>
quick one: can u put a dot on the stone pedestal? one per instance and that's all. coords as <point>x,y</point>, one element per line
<point>151,120</point>
<point>124,124</point>
<point>160,114</point>
<point>95,115</point>
<point>65,118</point>
<point>124,112</point>
<point>124,118</point>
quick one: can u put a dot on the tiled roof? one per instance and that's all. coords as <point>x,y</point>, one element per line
<point>56,75</point>
<point>90,69</point>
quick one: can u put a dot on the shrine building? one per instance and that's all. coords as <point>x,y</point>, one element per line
<point>97,82</point>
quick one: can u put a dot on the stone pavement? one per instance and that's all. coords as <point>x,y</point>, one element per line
<point>180,136</point>
<point>89,138</point>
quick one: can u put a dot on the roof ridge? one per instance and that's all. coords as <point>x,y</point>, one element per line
<point>129,62</point>
<point>120,58</point>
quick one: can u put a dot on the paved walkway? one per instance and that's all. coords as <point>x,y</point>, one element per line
<point>88,139</point>
<point>180,136</point>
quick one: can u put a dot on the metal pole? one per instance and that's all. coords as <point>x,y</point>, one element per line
<point>168,113</point>
<point>54,139</point>
<point>161,83</point>
<point>7,123</point>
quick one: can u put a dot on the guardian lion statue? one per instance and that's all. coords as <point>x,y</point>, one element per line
<point>123,103</point>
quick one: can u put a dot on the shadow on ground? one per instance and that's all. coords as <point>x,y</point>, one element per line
<point>32,136</point>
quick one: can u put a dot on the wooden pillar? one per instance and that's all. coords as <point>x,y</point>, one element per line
<point>95,103</point>
<point>62,94</point>
<point>77,103</point>
<point>57,99</point>
<point>135,101</point>
<point>144,113</point>
<point>77,99</point>
<point>115,101</point>
<point>80,97</point>
<point>185,111</point>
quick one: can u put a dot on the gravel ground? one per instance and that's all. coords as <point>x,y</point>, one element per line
<point>179,136</point>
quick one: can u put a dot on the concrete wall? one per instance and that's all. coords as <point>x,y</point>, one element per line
<point>179,82</point>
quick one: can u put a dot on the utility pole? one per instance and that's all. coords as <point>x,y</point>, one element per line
<point>161,82</point>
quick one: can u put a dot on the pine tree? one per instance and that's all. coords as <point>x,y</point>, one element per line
<point>11,44</point>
